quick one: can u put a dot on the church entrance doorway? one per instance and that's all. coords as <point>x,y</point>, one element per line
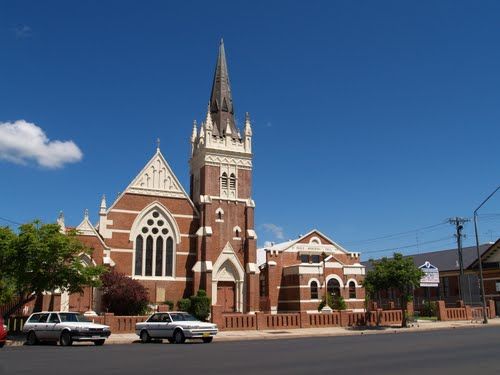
<point>226,295</point>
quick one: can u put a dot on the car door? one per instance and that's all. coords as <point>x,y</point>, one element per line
<point>152,326</point>
<point>42,327</point>
<point>164,326</point>
<point>53,324</point>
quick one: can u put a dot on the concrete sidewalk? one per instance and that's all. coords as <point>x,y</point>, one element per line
<point>420,326</point>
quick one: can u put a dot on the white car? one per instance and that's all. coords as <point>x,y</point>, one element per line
<point>64,327</point>
<point>176,327</point>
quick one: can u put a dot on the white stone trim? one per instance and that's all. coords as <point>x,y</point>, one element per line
<point>315,240</point>
<point>303,269</point>
<point>189,235</point>
<point>204,231</point>
<point>221,211</point>
<point>299,301</point>
<point>228,255</point>
<point>272,263</point>
<point>251,235</point>
<point>122,250</point>
<point>202,266</point>
<point>252,268</point>
<point>336,277</point>
<point>314,279</point>
<point>126,231</point>
<point>162,278</point>
<point>355,283</point>
<point>186,253</point>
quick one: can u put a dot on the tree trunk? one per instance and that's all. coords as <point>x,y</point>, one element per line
<point>23,299</point>
<point>51,301</point>
<point>38,303</point>
<point>404,322</point>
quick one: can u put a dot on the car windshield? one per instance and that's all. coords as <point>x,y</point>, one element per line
<point>72,317</point>
<point>182,317</point>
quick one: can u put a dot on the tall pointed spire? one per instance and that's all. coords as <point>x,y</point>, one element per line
<point>221,100</point>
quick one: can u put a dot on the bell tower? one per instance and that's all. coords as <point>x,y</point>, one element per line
<point>221,188</point>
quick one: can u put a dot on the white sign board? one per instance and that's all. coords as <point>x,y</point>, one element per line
<point>431,275</point>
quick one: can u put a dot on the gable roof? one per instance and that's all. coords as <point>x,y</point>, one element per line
<point>283,246</point>
<point>156,179</point>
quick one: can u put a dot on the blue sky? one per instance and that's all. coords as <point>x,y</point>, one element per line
<point>369,118</point>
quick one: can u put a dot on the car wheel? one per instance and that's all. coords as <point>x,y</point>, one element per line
<point>31,339</point>
<point>2,344</point>
<point>179,337</point>
<point>65,339</point>
<point>207,340</point>
<point>99,342</point>
<point>145,338</point>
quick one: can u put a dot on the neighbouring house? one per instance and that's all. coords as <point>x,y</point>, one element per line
<point>297,274</point>
<point>447,262</point>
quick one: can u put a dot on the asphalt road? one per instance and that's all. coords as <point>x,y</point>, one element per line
<point>457,351</point>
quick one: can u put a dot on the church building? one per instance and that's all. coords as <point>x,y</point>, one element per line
<point>176,243</point>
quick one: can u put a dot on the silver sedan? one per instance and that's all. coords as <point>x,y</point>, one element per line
<point>176,327</point>
<point>65,327</point>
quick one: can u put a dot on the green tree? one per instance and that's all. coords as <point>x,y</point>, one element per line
<point>40,258</point>
<point>7,284</point>
<point>398,273</point>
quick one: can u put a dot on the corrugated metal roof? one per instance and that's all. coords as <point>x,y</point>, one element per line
<point>445,260</point>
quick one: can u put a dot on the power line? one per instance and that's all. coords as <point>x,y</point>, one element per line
<point>9,221</point>
<point>407,246</point>
<point>395,234</point>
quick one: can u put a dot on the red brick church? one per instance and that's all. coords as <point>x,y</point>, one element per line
<point>176,243</point>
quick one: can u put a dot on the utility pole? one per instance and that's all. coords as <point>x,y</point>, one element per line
<point>459,225</point>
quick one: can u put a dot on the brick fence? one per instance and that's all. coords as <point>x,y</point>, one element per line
<point>266,321</point>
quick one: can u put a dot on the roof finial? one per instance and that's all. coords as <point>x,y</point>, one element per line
<point>158,144</point>
<point>86,214</point>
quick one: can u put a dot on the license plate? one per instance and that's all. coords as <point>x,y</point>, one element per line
<point>206,334</point>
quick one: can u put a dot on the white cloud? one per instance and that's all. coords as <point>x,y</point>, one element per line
<point>22,141</point>
<point>275,230</point>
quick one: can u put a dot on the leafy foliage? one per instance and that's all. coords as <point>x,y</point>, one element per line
<point>200,305</point>
<point>123,295</point>
<point>40,258</point>
<point>335,302</point>
<point>398,273</point>
<point>428,309</point>
<point>184,304</point>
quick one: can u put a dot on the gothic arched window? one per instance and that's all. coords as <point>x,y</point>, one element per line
<point>333,287</point>
<point>232,181</point>
<point>314,290</point>
<point>223,181</point>
<point>352,289</point>
<point>154,246</point>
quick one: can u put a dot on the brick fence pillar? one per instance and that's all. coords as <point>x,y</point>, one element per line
<point>380,317</point>
<point>468,312</point>
<point>491,306</point>
<point>460,303</point>
<point>344,318</point>
<point>217,316</point>
<point>392,305</point>
<point>304,320</point>
<point>260,319</point>
<point>441,310</point>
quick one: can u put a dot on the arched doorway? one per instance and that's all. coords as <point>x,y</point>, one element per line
<point>333,287</point>
<point>226,287</point>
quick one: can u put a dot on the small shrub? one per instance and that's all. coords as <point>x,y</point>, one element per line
<point>335,302</point>
<point>428,308</point>
<point>184,304</point>
<point>123,295</point>
<point>200,305</point>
